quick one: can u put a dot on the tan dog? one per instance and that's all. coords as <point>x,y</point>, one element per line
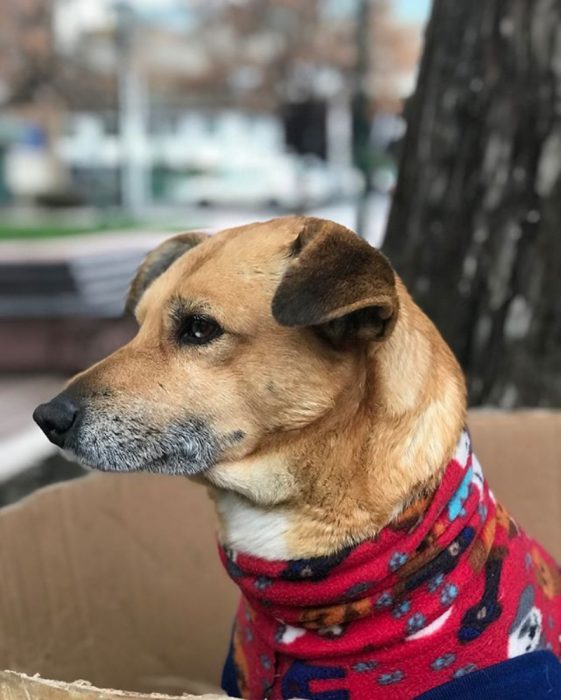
<point>284,365</point>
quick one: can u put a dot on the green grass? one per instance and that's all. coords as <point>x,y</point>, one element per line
<point>15,232</point>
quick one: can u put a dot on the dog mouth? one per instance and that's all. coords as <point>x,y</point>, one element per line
<point>172,464</point>
<point>112,444</point>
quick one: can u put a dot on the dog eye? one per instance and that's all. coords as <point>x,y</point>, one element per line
<point>198,330</point>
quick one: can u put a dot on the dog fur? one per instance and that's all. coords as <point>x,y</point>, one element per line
<point>326,406</point>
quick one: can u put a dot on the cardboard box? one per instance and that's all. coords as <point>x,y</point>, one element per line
<point>115,579</point>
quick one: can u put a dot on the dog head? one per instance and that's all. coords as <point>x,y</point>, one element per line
<point>285,365</point>
<point>243,336</point>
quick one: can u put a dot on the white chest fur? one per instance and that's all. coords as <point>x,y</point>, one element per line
<point>253,529</point>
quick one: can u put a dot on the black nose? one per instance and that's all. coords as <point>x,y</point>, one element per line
<point>56,417</point>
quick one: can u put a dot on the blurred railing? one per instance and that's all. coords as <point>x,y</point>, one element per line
<point>62,302</point>
<point>92,285</point>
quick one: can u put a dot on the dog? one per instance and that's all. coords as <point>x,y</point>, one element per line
<point>285,366</point>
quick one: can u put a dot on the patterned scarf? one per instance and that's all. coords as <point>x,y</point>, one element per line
<point>453,585</point>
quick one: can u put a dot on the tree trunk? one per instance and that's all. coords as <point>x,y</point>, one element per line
<point>475,227</point>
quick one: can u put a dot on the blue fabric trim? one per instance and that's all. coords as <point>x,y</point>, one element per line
<point>535,676</point>
<point>229,680</point>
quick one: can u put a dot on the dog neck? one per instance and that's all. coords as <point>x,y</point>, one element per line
<point>342,479</point>
<point>424,542</point>
<point>450,586</point>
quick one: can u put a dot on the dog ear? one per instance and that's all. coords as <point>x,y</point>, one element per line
<point>337,283</point>
<point>157,262</point>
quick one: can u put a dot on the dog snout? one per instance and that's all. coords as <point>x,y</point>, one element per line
<point>57,417</point>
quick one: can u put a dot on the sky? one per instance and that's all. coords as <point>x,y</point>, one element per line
<point>77,14</point>
<point>413,10</point>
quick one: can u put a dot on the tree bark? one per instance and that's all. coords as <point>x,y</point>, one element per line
<point>475,227</point>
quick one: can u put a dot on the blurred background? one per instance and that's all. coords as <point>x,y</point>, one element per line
<point>122,122</point>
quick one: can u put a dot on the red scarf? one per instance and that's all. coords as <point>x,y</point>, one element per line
<point>452,586</point>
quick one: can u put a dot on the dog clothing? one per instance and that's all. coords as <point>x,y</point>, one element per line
<point>450,587</point>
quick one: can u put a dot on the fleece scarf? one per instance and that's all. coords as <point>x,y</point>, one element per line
<point>453,585</point>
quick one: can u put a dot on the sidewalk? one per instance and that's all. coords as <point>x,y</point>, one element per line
<point>22,444</point>
<point>80,245</point>
<point>201,218</point>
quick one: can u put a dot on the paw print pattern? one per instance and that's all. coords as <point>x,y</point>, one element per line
<point>444,562</point>
<point>464,670</point>
<point>384,600</point>
<point>443,661</point>
<point>435,583</point>
<point>415,623</point>
<point>262,582</point>
<point>391,678</point>
<point>448,594</point>
<point>397,560</point>
<point>365,666</point>
<point>401,609</point>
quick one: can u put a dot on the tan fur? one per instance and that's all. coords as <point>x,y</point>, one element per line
<point>338,443</point>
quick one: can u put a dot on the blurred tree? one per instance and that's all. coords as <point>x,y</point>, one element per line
<point>363,109</point>
<point>27,59</point>
<point>475,225</point>
<point>262,53</point>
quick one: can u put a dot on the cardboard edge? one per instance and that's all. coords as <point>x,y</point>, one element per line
<point>19,686</point>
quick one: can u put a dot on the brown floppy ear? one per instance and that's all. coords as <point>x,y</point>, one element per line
<point>157,262</point>
<point>337,283</point>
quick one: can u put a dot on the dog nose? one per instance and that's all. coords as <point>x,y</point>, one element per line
<point>56,417</point>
